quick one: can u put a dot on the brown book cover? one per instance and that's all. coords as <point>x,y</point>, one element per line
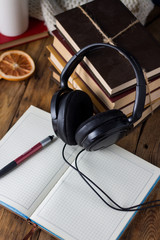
<point>111,68</point>
<point>118,101</point>
<point>58,62</point>
<point>98,107</point>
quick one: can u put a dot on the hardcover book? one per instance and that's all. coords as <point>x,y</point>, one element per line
<point>36,30</point>
<point>46,191</point>
<point>58,62</point>
<point>98,107</point>
<point>111,69</point>
<point>118,101</point>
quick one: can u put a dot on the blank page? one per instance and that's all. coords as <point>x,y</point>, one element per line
<point>26,186</point>
<point>73,211</point>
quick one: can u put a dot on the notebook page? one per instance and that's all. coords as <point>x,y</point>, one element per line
<point>73,211</point>
<point>26,186</point>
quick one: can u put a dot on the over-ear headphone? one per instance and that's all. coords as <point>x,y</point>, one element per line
<point>72,110</point>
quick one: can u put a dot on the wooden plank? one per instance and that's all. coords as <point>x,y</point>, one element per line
<point>1,212</point>
<point>149,143</point>
<point>11,93</point>
<point>38,92</point>
<point>10,97</point>
<point>149,149</point>
<point>146,224</point>
<point>15,98</point>
<point>12,226</point>
<point>40,88</point>
<point>43,235</point>
<point>129,142</point>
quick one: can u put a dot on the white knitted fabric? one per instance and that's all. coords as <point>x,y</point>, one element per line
<point>47,9</point>
<point>69,4</point>
<point>140,8</point>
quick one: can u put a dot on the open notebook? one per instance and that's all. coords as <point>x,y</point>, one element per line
<point>55,197</point>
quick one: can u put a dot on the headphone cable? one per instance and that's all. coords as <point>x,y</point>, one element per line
<point>89,182</point>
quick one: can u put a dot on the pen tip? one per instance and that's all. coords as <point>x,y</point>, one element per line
<point>51,137</point>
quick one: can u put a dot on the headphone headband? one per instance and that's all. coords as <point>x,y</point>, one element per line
<point>140,85</point>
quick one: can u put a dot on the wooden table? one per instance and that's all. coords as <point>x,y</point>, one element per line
<point>144,141</point>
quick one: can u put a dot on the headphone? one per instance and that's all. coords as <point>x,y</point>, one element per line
<point>72,110</point>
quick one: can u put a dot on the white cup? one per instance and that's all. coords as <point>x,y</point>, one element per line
<point>14,17</point>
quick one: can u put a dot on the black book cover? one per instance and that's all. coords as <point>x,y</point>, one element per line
<point>110,68</point>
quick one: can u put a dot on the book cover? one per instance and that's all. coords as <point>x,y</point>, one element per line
<point>36,30</point>
<point>118,101</point>
<point>152,101</point>
<point>58,62</point>
<point>111,68</point>
<point>76,83</point>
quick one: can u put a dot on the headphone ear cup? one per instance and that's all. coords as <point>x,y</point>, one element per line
<point>74,108</point>
<point>102,130</point>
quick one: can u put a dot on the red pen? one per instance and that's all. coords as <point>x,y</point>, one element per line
<point>25,155</point>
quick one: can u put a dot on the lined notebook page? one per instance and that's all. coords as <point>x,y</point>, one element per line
<point>27,185</point>
<point>72,211</point>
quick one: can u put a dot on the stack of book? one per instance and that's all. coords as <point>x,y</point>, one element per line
<point>105,74</point>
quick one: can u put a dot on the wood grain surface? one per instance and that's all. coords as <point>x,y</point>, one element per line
<point>144,140</point>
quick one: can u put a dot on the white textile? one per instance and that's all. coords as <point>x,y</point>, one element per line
<point>47,9</point>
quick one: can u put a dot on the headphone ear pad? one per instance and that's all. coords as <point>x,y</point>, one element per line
<point>74,108</point>
<point>102,130</point>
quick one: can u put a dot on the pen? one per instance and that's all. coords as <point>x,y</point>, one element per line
<point>25,155</point>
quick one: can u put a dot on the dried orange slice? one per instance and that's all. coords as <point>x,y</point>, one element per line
<point>16,65</point>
